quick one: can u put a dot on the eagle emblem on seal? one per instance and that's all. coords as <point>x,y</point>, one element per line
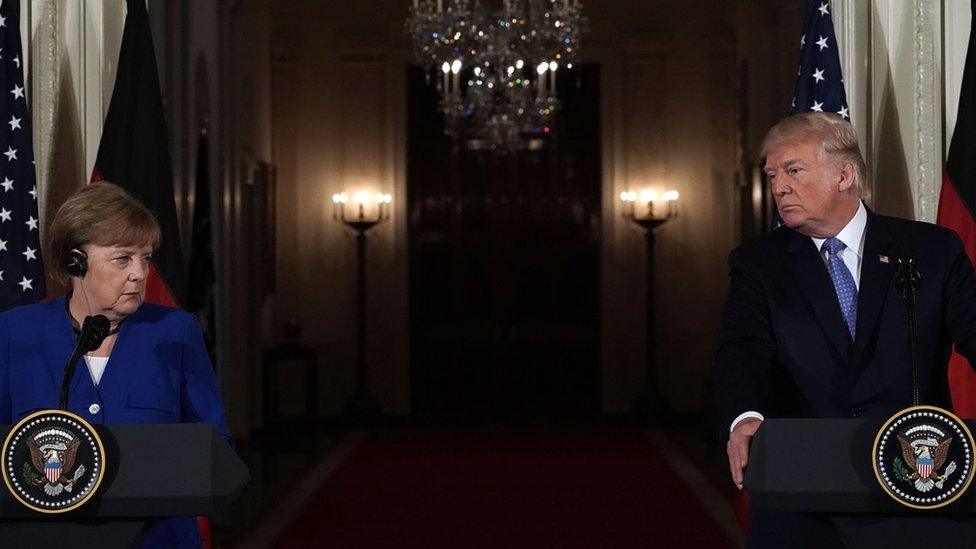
<point>52,460</point>
<point>924,450</point>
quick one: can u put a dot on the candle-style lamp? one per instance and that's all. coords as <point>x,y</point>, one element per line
<point>645,210</point>
<point>362,405</point>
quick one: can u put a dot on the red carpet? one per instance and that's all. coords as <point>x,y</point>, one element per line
<point>599,489</point>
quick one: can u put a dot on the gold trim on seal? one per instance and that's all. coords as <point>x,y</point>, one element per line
<point>887,424</point>
<point>101,469</point>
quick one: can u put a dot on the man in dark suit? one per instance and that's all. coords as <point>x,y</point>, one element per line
<point>814,326</point>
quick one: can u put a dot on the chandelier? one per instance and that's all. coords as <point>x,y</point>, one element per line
<point>495,64</point>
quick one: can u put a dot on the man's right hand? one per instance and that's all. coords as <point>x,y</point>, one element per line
<point>738,448</point>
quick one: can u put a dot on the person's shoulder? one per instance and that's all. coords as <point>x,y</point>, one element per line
<point>42,311</point>
<point>915,232</point>
<point>765,247</point>
<point>154,313</point>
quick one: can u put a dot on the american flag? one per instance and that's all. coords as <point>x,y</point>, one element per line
<point>819,83</point>
<point>21,268</point>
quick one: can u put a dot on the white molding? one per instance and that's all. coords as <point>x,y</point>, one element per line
<point>43,45</point>
<point>928,109</point>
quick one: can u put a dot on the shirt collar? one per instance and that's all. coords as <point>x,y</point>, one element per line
<point>852,235</point>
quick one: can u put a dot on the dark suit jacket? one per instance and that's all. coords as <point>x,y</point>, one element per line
<point>785,351</point>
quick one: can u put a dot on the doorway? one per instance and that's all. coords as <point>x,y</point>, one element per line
<point>504,266</point>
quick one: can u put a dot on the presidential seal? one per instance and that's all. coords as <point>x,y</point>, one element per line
<point>53,461</point>
<point>923,457</point>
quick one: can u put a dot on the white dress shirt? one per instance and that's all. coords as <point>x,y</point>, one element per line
<point>852,235</point>
<point>96,367</point>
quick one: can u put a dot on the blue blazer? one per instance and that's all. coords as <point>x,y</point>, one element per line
<point>159,372</point>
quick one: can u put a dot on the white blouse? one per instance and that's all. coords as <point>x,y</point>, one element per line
<point>96,367</point>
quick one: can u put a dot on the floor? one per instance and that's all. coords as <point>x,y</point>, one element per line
<point>291,464</point>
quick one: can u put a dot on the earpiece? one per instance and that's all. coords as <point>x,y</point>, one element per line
<point>76,264</point>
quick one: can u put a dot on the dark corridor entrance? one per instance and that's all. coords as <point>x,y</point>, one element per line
<point>504,266</point>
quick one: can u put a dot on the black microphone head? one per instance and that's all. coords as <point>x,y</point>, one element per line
<point>907,276</point>
<point>94,330</point>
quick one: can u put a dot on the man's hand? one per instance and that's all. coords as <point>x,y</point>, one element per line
<point>738,447</point>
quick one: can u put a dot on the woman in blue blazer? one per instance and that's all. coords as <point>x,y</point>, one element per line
<point>152,368</point>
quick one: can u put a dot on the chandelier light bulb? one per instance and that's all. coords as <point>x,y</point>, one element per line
<point>627,196</point>
<point>671,195</point>
<point>648,195</point>
<point>339,198</point>
<point>362,197</point>
<point>446,67</point>
<point>455,66</point>
<point>542,68</point>
<point>553,66</point>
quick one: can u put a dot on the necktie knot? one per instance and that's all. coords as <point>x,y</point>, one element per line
<point>833,245</point>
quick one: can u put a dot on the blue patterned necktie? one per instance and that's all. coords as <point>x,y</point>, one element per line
<point>843,281</point>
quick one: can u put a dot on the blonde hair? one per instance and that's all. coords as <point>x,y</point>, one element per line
<point>835,134</point>
<point>101,214</point>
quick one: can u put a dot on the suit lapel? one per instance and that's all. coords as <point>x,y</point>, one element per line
<point>809,271</point>
<point>875,280</point>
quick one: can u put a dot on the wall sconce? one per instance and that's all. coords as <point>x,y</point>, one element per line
<point>361,200</point>
<point>649,404</point>
<point>650,217</point>
<point>362,405</point>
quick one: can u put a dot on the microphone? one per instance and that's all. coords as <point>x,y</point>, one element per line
<point>907,278</point>
<point>94,330</point>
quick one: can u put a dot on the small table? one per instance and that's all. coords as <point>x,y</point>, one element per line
<point>289,353</point>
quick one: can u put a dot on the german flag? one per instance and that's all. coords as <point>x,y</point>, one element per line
<point>134,150</point>
<point>957,210</point>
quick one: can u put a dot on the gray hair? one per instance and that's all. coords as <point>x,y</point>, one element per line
<point>835,134</point>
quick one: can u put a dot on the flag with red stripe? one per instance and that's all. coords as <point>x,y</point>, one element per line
<point>957,206</point>
<point>134,150</point>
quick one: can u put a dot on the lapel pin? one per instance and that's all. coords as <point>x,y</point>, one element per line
<point>883,258</point>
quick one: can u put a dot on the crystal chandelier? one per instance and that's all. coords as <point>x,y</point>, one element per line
<point>495,65</point>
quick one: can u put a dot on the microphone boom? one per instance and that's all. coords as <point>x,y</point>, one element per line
<point>94,330</point>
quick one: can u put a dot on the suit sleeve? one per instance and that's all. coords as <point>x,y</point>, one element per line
<point>200,398</point>
<point>960,291</point>
<point>745,346</point>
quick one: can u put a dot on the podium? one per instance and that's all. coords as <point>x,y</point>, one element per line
<point>153,471</point>
<point>824,466</point>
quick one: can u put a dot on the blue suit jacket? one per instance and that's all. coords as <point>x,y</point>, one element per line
<point>159,372</point>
